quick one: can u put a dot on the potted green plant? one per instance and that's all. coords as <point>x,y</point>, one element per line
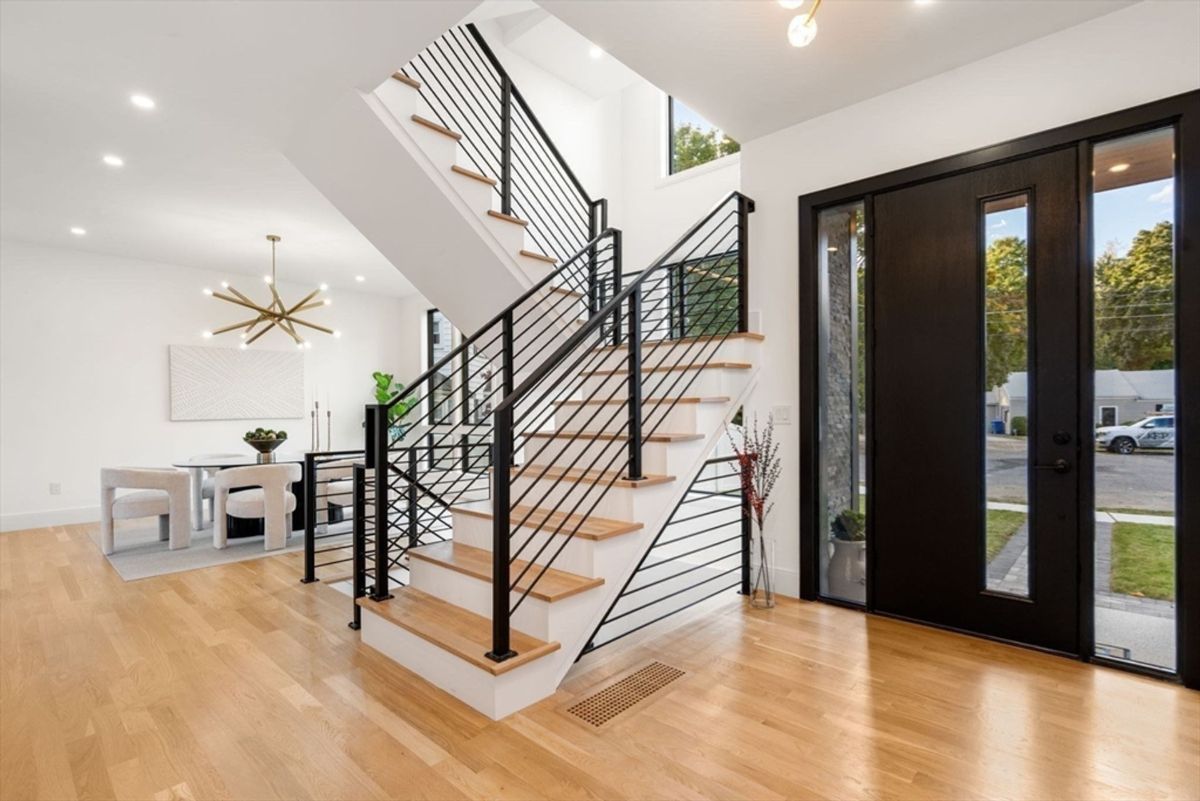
<point>387,388</point>
<point>848,565</point>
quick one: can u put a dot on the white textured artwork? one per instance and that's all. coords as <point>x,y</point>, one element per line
<point>235,384</point>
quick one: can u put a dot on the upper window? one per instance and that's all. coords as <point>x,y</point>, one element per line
<point>693,140</point>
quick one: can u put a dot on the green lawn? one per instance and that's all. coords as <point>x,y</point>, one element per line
<point>1001,525</point>
<point>1143,560</point>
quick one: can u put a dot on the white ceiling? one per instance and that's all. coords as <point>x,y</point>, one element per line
<point>204,179</point>
<point>730,59</point>
<point>545,41</point>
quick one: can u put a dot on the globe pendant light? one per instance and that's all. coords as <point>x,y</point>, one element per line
<point>803,27</point>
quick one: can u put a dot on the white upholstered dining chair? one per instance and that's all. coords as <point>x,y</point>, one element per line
<point>206,486</point>
<point>271,500</point>
<point>161,493</point>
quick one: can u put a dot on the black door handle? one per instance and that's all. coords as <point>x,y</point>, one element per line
<point>1059,466</point>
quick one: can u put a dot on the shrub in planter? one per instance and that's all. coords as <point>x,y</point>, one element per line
<point>1019,426</point>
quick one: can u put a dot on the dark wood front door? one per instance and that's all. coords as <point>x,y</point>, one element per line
<point>948,468</point>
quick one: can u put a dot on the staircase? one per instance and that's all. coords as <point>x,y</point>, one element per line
<point>449,144</point>
<point>511,492</point>
<point>533,472</point>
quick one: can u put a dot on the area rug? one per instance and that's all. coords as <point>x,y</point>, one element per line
<point>141,555</point>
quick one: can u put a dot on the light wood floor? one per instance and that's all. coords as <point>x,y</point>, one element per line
<point>239,682</point>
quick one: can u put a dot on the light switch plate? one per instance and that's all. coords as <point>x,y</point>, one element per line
<point>782,415</point>
<point>55,488</point>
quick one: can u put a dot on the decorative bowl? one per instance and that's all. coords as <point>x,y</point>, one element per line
<point>265,447</point>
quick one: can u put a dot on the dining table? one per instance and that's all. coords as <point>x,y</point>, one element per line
<point>198,465</point>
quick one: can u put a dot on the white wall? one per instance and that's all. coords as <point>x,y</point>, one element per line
<point>616,145</point>
<point>84,371</point>
<point>1142,53</point>
<point>656,208</point>
<point>584,129</point>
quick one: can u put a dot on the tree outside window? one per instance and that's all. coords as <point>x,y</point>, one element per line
<point>694,140</point>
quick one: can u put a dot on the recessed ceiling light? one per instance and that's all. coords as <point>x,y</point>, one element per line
<point>923,2</point>
<point>596,52</point>
<point>141,101</point>
<point>114,161</point>
<point>791,5</point>
<point>360,278</point>
<point>323,287</point>
<point>1122,167</point>
<point>77,231</point>
<point>337,334</point>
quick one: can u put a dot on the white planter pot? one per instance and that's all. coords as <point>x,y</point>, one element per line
<point>848,570</point>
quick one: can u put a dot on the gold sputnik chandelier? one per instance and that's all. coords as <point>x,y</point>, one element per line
<point>274,314</point>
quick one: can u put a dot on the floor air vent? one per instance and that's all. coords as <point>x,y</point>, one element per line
<point>621,696</point>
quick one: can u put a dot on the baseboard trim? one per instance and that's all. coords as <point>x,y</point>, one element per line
<point>53,517</point>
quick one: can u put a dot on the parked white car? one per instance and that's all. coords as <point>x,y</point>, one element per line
<point>1153,432</point>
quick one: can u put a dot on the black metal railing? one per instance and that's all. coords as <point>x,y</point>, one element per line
<point>493,398</point>
<point>329,499</point>
<point>604,392</point>
<point>467,89</point>
<point>702,551</point>
<point>430,447</point>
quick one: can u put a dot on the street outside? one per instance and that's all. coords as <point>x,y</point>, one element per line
<point>1143,480</point>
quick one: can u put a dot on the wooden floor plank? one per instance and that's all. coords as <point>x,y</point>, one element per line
<point>238,682</point>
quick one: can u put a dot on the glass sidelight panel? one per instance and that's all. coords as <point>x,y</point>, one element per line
<point>1133,212</point>
<point>1006,397</point>
<point>841,372</point>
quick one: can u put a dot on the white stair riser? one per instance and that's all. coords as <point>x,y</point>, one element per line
<point>731,350</point>
<point>661,458</point>
<point>510,235</point>
<point>584,557</point>
<point>400,100</point>
<point>708,382</point>
<point>618,503</point>
<point>547,621</point>
<point>476,194</point>
<point>494,696</point>
<point>614,418</point>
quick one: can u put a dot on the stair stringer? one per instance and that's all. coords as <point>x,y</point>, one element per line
<point>371,168</point>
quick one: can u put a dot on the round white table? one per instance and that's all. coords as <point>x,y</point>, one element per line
<point>196,466</point>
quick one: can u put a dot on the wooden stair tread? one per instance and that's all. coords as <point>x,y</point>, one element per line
<point>654,343</point>
<point>645,401</point>
<point>579,476</point>
<point>499,215</point>
<point>586,527</point>
<point>478,176</point>
<point>607,435</point>
<point>674,367</point>
<point>434,126</point>
<point>454,629</point>
<point>407,81</point>
<point>553,585</point>
<point>529,254</point>
<point>559,290</point>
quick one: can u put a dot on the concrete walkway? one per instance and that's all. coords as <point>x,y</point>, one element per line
<point>1127,627</point>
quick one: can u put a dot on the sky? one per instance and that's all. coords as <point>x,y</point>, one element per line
<point>1118,215</point>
